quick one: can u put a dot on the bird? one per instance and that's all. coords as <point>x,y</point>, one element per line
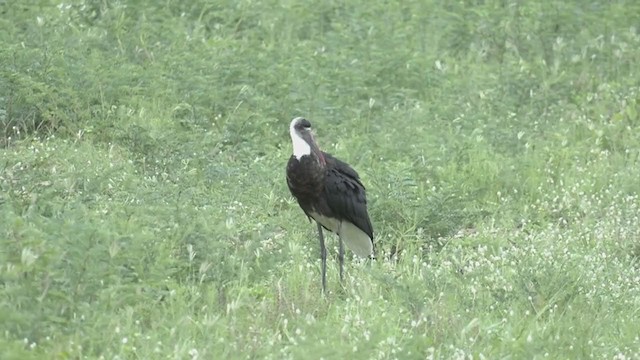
<point>330,192</point>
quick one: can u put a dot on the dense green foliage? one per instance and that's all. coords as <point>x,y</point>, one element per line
<point>144,211</point>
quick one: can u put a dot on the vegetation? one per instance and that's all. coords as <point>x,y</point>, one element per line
<point>144,211</point>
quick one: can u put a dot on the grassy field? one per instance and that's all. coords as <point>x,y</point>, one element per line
<point>144,212</point>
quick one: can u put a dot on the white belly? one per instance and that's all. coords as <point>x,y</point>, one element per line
<point>355,239</point>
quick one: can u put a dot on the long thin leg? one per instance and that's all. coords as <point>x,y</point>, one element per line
<point>323,256</point>
<point>341,257</point>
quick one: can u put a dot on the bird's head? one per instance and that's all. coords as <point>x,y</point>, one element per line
<point>303,141</point>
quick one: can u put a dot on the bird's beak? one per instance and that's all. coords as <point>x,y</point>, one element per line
<point>314,147</point>
<point>318,153</point>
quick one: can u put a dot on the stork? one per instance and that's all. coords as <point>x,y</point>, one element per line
<point>330,192</point>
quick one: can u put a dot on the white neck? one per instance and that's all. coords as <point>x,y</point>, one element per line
<point>300,147</point>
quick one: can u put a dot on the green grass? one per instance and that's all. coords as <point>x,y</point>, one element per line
<point>144,211</point>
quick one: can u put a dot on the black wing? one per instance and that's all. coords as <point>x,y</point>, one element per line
<point>345,194</point>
